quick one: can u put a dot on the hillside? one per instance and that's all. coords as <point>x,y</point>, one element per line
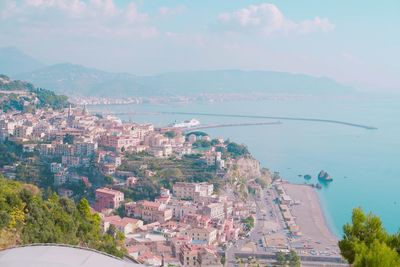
<point>26,218</point>
<point>78,80</point>
<point>16,95</point>
<point>13,61</point>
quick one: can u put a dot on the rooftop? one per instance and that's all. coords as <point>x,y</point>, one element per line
<point>108,191</point>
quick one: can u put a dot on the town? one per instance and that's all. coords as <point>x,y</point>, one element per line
<point>187,223</point>
<point>174,194</point>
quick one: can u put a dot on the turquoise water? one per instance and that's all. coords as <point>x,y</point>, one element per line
<point>364,163</point>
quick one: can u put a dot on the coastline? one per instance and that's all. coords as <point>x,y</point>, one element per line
<point>308,210</point>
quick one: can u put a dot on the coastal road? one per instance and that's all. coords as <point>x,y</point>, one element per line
<point>267,214</point>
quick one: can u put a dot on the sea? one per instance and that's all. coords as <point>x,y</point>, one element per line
<point>364,164</point>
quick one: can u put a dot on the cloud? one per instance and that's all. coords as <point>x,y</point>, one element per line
<point>77,17</point>
<point>269,20</point>
<point>171,11</point>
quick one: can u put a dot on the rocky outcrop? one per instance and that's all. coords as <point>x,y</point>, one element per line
<point>248,167</point>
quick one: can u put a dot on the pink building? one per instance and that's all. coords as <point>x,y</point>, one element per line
<point>108,199</point>
<point>148,211</point>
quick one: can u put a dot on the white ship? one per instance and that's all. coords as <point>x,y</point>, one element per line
<point>186,124</point>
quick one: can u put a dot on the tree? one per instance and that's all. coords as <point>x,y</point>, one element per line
<point>170,134</point>
<point>25,218</point>
<point>288,259</point>
<point>68,139</point>
<point>223,260</point>
<point>294,259</point>
<point>366,243</point>
<point>237,150</point>
<point>363,229</point>
<point>378,254</point>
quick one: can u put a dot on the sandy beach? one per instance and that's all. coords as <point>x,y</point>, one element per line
<point>309,216</point>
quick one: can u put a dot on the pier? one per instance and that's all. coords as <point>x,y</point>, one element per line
<point>209,126</point>
<point>275,118</point>
<point>366,127</point>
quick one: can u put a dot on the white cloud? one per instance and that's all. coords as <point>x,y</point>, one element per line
<point>77,17</point>
<point>171,11</point>
<point>268,19</point>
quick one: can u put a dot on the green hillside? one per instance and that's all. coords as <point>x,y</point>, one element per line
<point>16,95</point>
<point>26,217</point>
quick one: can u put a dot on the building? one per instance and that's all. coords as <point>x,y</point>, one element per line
<point>201,235</point>
<point>185,190</point>
<point>108,199</point>
<point>214,210</point>
<point>125,225</point>
<point>148,211</point>
<point>188,256</point>
<point>208,257</point>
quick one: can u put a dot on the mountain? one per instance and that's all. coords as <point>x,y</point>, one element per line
<point>75,79</point>
<point>237,81</point>
<point>13,61</point>
<point>79,80</point>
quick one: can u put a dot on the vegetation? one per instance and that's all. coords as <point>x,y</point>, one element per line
<point>170,134</point>
<point>68,139</point>
<point>236,150</point>
<point>248,222</point>
<point>288,259</point>
<point>26,217</point>
<point>201,144</point>
<point>366,243</point>
<point>9,153</point>
<point>23,96</point>
<point>6,84</point>
<point>48,98</point>
<point>197,133</point>
<point>190,168</point>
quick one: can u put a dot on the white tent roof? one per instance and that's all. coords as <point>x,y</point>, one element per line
<point>58,256</point>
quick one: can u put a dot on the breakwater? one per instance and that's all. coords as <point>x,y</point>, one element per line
<point>275,118</point>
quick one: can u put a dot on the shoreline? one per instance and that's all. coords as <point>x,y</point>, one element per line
<point>310,217</point>
<point>328,220</point>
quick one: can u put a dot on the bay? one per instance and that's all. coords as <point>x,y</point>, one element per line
<point>365,164</point>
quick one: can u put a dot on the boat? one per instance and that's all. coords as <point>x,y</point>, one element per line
<point>186,124</point>
<point>324,176</point>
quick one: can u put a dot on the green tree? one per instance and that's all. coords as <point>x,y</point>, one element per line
<point>363,229</point>
<point>294,259</point>
<point>68,139</point>
<point>170,134</point>
<point>378,254</point>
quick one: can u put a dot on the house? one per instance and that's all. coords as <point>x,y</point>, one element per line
<point>185,190</point>
<point>148,211</point>
<point>188,256</point>
<point>208,257</point>
<point>201,235</point>
<point>108,199</point>
<point>214,210</point>
<point>125,225</point>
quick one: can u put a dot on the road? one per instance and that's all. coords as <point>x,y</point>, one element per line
<point>268,225</point>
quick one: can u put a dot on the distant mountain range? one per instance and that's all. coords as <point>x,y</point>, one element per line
<point>13,61</point>
<point>73,79</point>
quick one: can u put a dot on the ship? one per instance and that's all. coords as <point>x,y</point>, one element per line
<point>324,176</point>
<point>186,124</point>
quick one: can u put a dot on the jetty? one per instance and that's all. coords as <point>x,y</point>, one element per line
<point>209,126</point>
<point>275,118</point>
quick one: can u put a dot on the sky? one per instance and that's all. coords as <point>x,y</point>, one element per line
<point>354,42</point>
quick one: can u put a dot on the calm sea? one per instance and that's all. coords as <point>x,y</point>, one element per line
<point>365,164</point>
